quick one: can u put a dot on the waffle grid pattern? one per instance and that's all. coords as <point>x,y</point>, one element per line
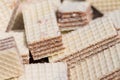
<point>105,5</point>
<point>98,65</point>
<point>98,31</point>
<point>47,71</point>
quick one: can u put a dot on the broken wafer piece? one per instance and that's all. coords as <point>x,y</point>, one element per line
<point>7,12</point>
<point>98,65</point>
<point>42,31</point>
<point>87,41</point>
<point>10,62</point>
<point>46,71</point>
<point>105,5</point>
<point>21,45</point>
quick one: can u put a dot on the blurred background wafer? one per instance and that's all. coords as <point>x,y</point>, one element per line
<point>72,15</point>
<point>105,5</point>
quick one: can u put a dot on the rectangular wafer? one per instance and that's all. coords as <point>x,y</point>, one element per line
<point>98,65</point>
<point>42,31</point>
<point>10,61</point>
<point>87,41</point>
<point>105,5</point>
<point>45,71</point>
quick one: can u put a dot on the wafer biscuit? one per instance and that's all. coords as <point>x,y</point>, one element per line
<point>21,45</point>
<point>7,11</point>
<point>42,31</point>
<point>47,71</point>
<point>105,5</point>
<point>98,65</point>
<point>87,41</point>
<point>10,62</point>
<point>73,14</point>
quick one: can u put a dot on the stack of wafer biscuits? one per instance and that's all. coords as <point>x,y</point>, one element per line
<point>98,65</point>
<point>42,31</point>
<point>91,39</point>
<point>105,5</point>
<point>72,15</point>
<point>115,17</point>
<point>47,71</point>
<point>7,12</point>
<point>21,45</point>
<point>10,62</point>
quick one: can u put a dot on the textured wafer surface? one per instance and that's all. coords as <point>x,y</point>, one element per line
<point>113,75</point>
<point>69,6</point>
<point>105,5</point>
<point>6,11</point>
<point>115,17</point>
<point>40,21</point>
<point>10,62</point>
<point>84,38</point>
<point>47,71</point>
<point>98,65</point>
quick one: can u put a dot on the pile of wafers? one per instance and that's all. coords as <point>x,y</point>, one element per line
<point>59,40</point>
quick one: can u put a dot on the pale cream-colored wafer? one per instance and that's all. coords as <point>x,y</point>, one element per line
<point>69,6</point>
<point>10,61</point>
<point>7,11</point>
<point>55,3</point>
<point>98,33</point>
<point>98,65</point>
<point>41,27</point>
<point>115,17</point>
<point>21,45</point>
<point>105,5</point>
<point>47,71</point>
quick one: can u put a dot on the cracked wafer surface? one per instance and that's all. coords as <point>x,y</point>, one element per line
<point>98,65</point>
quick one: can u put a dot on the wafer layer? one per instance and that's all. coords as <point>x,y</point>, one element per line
<point>98,65</point>
<point>41,29</point>
<point>10,62</point>
<point>84,41</point>
<point>47,71</point>
<point>105,5</point>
